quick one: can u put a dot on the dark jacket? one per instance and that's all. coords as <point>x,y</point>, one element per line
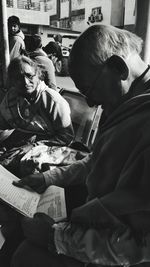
<point>113,227</point>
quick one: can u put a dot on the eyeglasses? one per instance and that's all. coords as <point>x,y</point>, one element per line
<point>86,92</point>
<point>28,76</point>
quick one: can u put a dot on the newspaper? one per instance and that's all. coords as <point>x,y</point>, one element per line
<point>27,202</point>
<point>52,202</point>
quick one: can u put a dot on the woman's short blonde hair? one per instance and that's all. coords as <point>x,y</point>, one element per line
<point>15,67</point>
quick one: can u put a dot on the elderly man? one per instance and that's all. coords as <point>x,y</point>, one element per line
<point>113,227</point>
<point>32,108</point>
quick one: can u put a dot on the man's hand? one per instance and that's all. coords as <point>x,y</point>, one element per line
<point>33,181</point>
<point>39,230</point>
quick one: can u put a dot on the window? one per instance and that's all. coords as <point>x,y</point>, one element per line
<point>9,3</point>
<point>29,4</point>
<point>65,23</point>
<point>78,17</point>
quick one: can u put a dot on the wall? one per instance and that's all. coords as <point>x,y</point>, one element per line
<point>117,13</point>
<point>106,9</point>
<point>64,9</point>
<point>78,25</point>
<point>112,10</point>
<point>29,16</point>
<point>129,12</point>
<point>52,7</point>
<point>78,4</point>
<point>43,31</point>
<point>81,25</point>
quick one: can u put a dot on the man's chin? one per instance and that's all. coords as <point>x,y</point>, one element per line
<point>91,103</point>
<point>29,90</point>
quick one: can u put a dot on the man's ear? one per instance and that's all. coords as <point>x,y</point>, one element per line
<point>118,63</point>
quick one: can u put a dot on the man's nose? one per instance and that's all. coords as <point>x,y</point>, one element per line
<point>90,102</point>
<point>26,80</point>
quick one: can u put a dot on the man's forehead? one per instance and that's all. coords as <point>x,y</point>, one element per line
<point>26,68</point>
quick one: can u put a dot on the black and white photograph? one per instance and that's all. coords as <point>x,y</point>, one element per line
<point>74,133</point>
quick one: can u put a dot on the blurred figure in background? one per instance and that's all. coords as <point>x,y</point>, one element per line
<point>38,55</point>
<point>53,48</point>
<point>16,37</point>
<point>58,41</point>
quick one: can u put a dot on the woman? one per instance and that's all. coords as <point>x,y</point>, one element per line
<point>32,108</point>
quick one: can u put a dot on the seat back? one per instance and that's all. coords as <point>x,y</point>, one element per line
<point>85,119</point>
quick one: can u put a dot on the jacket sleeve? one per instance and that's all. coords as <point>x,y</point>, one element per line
<point>109,230</point>
<point>96,244</point>
<point>58,112</point>
<point>73,174</point>
<point>17,48</point>
<point>51,79</point>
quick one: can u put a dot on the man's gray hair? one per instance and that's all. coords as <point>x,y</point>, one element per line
<point>99,42</point>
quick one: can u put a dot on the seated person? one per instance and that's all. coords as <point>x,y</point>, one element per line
<point>32,108</point>
<point>113,227</point>
<point>36,53</point>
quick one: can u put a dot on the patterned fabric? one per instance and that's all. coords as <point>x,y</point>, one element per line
<point>42,157</point>
<point>37,157</point>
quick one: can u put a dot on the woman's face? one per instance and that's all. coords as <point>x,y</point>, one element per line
<point>27,80</point>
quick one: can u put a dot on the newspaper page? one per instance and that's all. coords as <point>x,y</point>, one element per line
<point>21,199</point>
<point>52,202</point>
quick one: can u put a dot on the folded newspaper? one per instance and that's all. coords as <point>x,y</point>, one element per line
<point>51,202</point>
